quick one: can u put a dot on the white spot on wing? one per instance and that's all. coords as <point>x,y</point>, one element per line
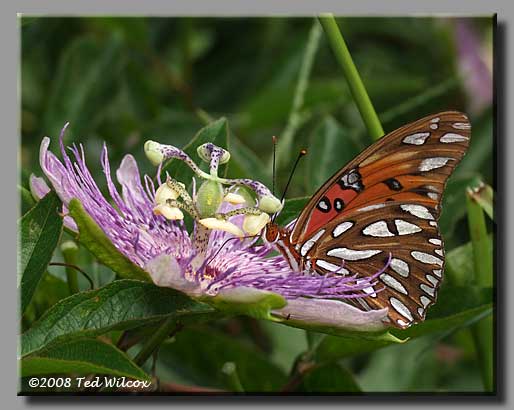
<point>369,290</point>
<point>433,195</point>
<point>451,137</point>
<point>371,207</point>
<point>434,126</point>
<point>461,125</point>
<point>432,280</point>
<point>406,228</point>
<point>421,312</point>
<point>378,229</point>
<point>439,252</point>
<point>427,289</point>
<point>332,267</point>
<point>424,301</point>
<point>307,246</point>
<point>352,254</point>
<point>426,258</point>
<point>401,308</point>
<point>437,272</point>
<point>393,283</point>
<point>433,223</point>
<point>341,228</point>
<point>429,164</point>
<point>435,241</point>
<point>436,119</point>
<point>417,210</point>
<point>416,139</point>
<point>402,322</point>
<point>400,267</point>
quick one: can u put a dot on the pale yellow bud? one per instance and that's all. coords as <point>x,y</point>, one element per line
<point>222,225</point>
<point>169,212</point>
<point>234,199</point>
<point>253,224</point>
<point>270,204</point>
<point>153,152</point>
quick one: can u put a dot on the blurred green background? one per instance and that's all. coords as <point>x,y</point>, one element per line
<point>126,80</point>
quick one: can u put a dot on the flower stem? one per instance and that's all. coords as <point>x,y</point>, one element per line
<point>229,369</point>
<point>336,40</point>
<point>69,251</point>
<point>161,334</point>
<point>482,331</point>
<point>296,116</point>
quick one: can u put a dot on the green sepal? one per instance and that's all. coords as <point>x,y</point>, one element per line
<point>247,301</point>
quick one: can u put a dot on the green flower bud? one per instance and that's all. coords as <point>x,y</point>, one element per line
<point>153,152</point>
<point>270,204</point>
<point>209,198</point>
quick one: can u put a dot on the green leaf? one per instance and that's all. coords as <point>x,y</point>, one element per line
<point>123,304</point>
<point>27,201</point>
<point>460,269</point>
<point>85,80</point>
<point>338,347</point>
<point>330,378</point>
<point>446,324</point>
<point>457,306</point>
<point>81,356</point>
<point>199,355</point>
<point>50,290</point>
<point>461,307</point>
<point>39,233</point>
<point>243,162</point>
<point>95,240</point>
<point>454,198</point>
<point>215,132</point>
<point>330,148</point>
<point>291,210</point>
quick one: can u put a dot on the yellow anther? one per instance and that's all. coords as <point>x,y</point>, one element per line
<point>222,225</point>
<point>169,212</point>
<point>253,224</point>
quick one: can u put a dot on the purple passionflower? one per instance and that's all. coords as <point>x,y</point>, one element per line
<point>473,61</point>
<point>222,270</point>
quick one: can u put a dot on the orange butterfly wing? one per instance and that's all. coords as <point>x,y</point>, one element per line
<point>385,204</point>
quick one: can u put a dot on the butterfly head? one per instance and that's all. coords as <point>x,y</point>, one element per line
<point>271,233</point>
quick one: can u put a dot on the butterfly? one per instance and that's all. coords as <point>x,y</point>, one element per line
<point>382,210</point>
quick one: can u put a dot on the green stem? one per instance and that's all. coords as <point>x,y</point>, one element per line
<point>482,331</point>
<point>296,117</point>
<point>161,334</point>
<point>229,369</point>
<point>336,40</point>
<point>482,256</point>
<point>69,251</point>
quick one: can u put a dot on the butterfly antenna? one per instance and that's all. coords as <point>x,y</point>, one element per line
<point>300,155</point>
<point>274,141</point>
